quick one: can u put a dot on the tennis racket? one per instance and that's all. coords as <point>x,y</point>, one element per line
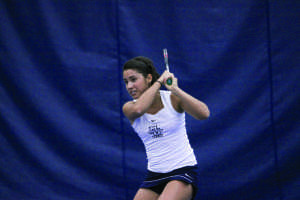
<point>169,80</point>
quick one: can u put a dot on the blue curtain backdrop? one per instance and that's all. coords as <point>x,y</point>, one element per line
<point>63,135</point>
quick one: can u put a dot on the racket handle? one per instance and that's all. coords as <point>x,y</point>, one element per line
<point>169,81</point>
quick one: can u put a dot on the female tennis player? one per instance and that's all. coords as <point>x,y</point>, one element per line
<point>158,117</point>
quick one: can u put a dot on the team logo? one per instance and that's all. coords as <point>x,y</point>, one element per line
<point>154,130</point>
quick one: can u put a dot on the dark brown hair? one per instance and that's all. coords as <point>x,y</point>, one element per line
<point>142,65</point>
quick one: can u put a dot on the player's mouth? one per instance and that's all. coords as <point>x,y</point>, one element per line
<point>133,93</point>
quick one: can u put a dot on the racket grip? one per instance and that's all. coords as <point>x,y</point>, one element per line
<point>169,81</point>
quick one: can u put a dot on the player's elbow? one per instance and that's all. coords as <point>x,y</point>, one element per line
<point>204,114</point>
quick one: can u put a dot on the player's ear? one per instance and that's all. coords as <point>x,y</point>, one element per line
<point>149,79</point>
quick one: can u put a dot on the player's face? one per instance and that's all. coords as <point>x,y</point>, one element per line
<point>135,83</point>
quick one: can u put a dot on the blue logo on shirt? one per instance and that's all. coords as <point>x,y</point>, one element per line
<point>155,131</point>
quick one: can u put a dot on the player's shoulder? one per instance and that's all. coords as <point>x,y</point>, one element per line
<point>128,103</point>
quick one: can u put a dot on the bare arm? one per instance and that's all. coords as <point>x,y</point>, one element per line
<point>188,103</point>
<point>135,109</point>
<point>191,105</point>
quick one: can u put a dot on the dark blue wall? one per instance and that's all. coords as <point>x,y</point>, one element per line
<point>63,135</point>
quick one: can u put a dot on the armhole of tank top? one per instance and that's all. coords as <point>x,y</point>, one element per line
<point>166,98</point>
<point>133,124</point>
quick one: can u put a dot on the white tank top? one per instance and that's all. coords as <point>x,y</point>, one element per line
<point>165,138</point>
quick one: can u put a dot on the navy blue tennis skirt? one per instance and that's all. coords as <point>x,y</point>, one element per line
<point>157,181</point>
